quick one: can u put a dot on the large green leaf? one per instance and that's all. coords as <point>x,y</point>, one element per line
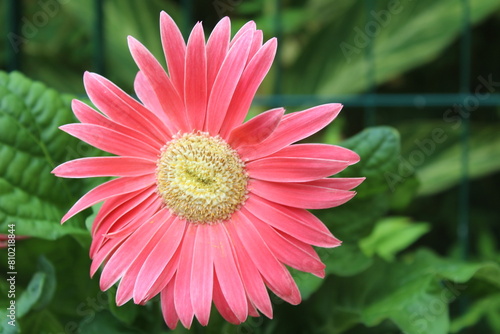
<point>31,145</point>
<point>332,54</point>
<point>437,159</point>
<point>391,235</point>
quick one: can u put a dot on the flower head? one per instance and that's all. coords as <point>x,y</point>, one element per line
<point>205,207</point>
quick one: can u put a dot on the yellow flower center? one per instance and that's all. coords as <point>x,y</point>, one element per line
<point>201,178</point>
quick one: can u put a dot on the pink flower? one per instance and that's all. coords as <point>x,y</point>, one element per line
<point>205,207</point>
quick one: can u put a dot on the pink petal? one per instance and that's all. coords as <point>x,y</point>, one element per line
<point>195,85</point>
<point>111,141</point>
<point>150,100</point>
<point>222,306</point>
<point>109,189</point>
<point>290,169</point>
<point>175,50</point>
<point>294,127</point>
<point>225,83</point>
<point>256,43</point>
<point>256,129</point>
<point>254,285</point>
<point>202,276</point>
<point>166,276</point>
<point>226,269</point>
<point>86,114</point>
<point>343,183</point>
<point>122,108</point>
<point>318,151</point>
<point>249,26</point>
<point>168,96</point>
<point>168,305</point>
<point>217,46</point>
<point>159,257</point>
<point>288,252</point>
<point>250,80</point>
<point>182,288</point>
<point>275,274</point>
<point>105,166</point>
<point>136,246</point>
<point>298,223</point>
<point>126,287</point>
<point>300,195</point>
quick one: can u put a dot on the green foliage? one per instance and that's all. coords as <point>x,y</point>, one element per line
<point>436,159</point>
<point>31,146</point>
<point>333,55</point>
<point>391,235</point>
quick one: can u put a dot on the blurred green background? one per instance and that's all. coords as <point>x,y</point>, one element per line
<point>420,81</point>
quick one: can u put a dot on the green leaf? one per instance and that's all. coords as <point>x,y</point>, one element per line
<point>31,145</point>
<point>334,55</point>
<point>378,148</point>
<point>437,160</point>
<point>392,235</point>
<point>488,307</point>
<point>40,289</point>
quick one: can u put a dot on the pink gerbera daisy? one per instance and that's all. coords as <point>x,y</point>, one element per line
<point>205,208</point>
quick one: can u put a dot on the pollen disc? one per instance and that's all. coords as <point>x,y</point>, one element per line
<point>201,178</point>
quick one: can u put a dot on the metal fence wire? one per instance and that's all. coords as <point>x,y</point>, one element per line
<point>370,100</point>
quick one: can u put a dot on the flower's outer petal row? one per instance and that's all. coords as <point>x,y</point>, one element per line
<point>277,278</point>
<point>298,223</point>
<point>225,83</point>
<point>228,276</point>
<point>202,276</point>
<point>195,79</point>
<point>105,166</point>
<point>150,101</point>
<point>122,108</point>
<point>300,195</point>
<point>170,100</point>
<point>294,127</point>
<point>107,190</point>
<point>255,130</point>
<point>291,169</point>
<point>217,47</point>
<point>250,80</point>
<point>110,140</point>
<point>174,48</point>
<point>288,252</point>
<point>86,114</point>
<point>136,246</point>
<point>182,287</point>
